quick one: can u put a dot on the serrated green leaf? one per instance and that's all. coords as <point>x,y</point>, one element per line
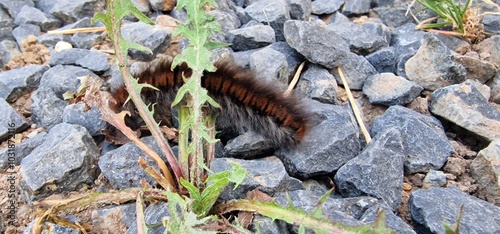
<point>193,190</point>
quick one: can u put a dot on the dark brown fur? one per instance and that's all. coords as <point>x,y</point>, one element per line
<point>247,103</point>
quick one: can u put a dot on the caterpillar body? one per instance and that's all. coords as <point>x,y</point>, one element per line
<point>247,103</point>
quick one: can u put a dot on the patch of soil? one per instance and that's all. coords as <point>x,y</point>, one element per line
<point>32,53</point>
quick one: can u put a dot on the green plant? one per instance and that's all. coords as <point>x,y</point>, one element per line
<point>463,20</point>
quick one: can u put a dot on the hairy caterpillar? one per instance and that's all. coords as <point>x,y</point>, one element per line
<point>246,102</point>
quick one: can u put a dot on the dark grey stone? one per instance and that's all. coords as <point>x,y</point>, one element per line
<point>463,105</point>
<point>115,218</point>
<point>484,169</point>
<point>90,119</point>
<point>22,150</point>
<point>265,224</point>
<point>362,39</point>
<point>356,70</point>
<point>319,155</point>
<point>383,60</point>
<point>155,38</point>
<point>54,228</point>
<point>491,23</point>
<point>8,49</point>
<point>489,50</point>
<point>430,208</point>
<point>426,145</point>
<point>91,59</point>
<point>50,40</point>
<point>142,6</point>
<point>389,89</point>
<point>85,40</point>
<point>242,15</point>
<point>293,58</point>
<point>70,11</point>
<point>477,69</point>
<point>13,7</point>
<point>153,216</point>
<point>47,103</point>
<point>457,44</point>
<point>434,179</point>
<point>334,209</point>
<point>248,145</point>
<point>31,15</point>
<point>433,65</point>
<point>320,7</point>
<point>120,166</point>
<point>401,61</point>
<point>11,121</point>
<point>272,13</point>
<point>377,171</point>
<point>300,9</point>
<point>319,45</point>
<point>267,175</point>
<point>318,84</point>
<point>227,23</point>
<point>393,16</point>
<point>406,39</point>
<point>22,32</point>
<point>251,37</point>
<point>269,65</point>
<point>494,84</point>
<point>17,82</point>
<point>356,7</point>
<point>387,3</point>
<point>64,162</point>
<point>392,221</point>
<point>5,19</point>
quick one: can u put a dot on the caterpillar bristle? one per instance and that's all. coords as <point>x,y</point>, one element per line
<point>247,103</point>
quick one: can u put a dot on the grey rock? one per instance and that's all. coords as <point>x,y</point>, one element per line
<point>430,208</point>
<point>433,66</point>
<point>70,11</point>
<point>293,58</point>
<point>63,163</point>
<point>483,89</point>
<point>485,169</point>
<point>489,50</point>
<point>463,105</point>
<point>252,37</point>
<point>120,166</point>
<point>477,69</point>
<point>227,22</point>
<point>406,39</point>
<point>155,38</point>
<point>91,59</point>
<point>242,15</point>
<point>400,63</point>
<point>457,44</point>
<point>387,3</point>
<point>362,39</point>
<point>22,32</point>
<point>85,40</point>
<point>11,121</point>
<point>91,119</point>
<point>242,58</point>
<point>248,145</point>
<point>320,7</point>
<point>393,16</point>
<point>267,175</point>
<point>392,221</point>
<point>47,103</point>
<point>5,19</point>
<point>142,6</point>
<point>14,7</point>
<point>265,224</point>
<point>31,15</point>
<point>44,5</point>
<point>8,49</point>
<point>336,210</point>
<point>377,171</point>
<point>23,149</point>
<point>426,145</point>
<point>356,7</point>
<point>494,84</point>
<point>160,5</point>
<point>389,89</point>
<point>114,218</point>
<point>300,9</point>
<point>269,65</point>
<point>272,13</point>
<point>491,23</point>
<point>54,228</point>
<point>50,40</point>
<point>317,44</point>
<point>434,179</point>
<point>17,82</point>
<point>356,70</point>
<point>383,60</point>
<point>154,214</point>
<point>317,155</point>
<point>318,84</point>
